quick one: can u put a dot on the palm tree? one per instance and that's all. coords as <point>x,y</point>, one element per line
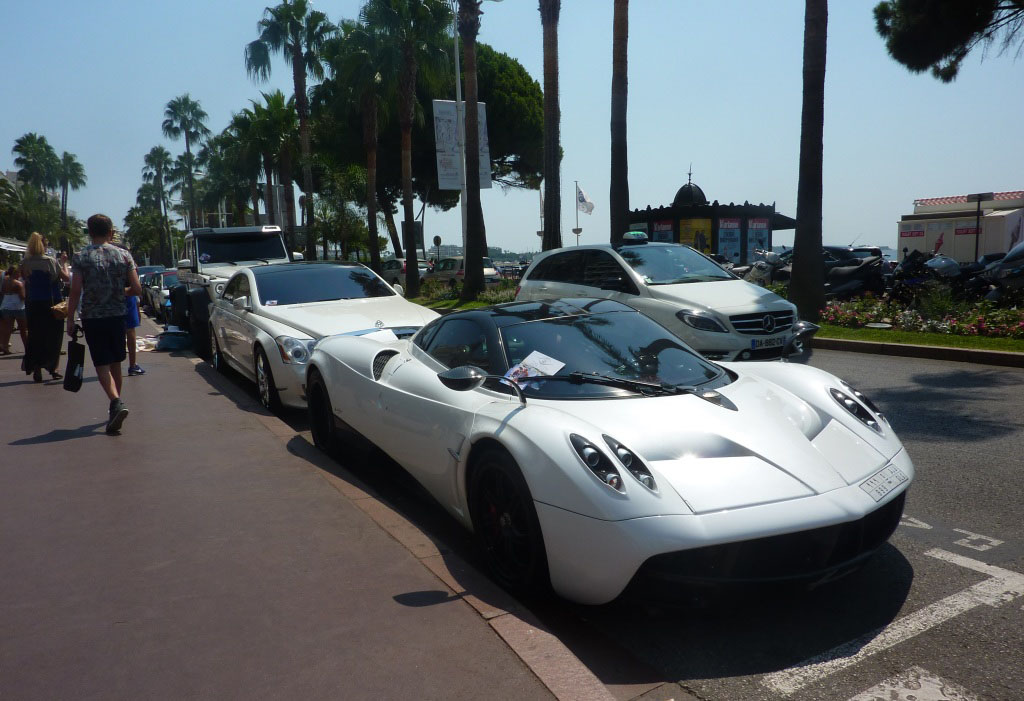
<point>274,123</point>
<point>807,284</point>
<point>476,241</point>
<point>618,191</point>
<point>179,179</point>
<point>358,59</point>
<point>415,30</point>
<point>157,163</point>
<point>70,174</point>
<point>299,33</point>
<point>549,11</point>
<point>249,154</point>
<point>183,116</point>
<point>37,161</point>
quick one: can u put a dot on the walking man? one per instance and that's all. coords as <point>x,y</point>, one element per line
<point>100,274</point>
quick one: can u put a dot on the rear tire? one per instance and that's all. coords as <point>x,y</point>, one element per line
<point>216,357</point>
<point>505,524</point>
<point>200,337</point>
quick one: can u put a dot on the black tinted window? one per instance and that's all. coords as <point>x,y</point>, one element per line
<point>561,267</point>
<point>318,283</point>
<point>603,271</point>
<point>233,248</point>
<point>460,342</point>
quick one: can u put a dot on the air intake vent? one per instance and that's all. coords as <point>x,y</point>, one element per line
<point>381,361</point>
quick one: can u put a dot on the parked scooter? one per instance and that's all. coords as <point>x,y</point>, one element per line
<point>846,281</point>
<point>768,267</point>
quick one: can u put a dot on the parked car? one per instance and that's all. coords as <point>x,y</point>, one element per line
<point>584,445</point>
<point>715,312</point>
<point>394,270</point>
<point>156,292</point>
<point>266,321</point>
<point>450,271</point>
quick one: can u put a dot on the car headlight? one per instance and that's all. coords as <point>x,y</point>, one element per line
<point>863,398</point>
<point>218,288</point>
<point>702,321</point>
<point>633,464</point>
<point>295,351</point>
<point>856,408</point>
<point>597,462</point>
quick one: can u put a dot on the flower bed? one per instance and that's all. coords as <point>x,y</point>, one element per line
<point>935,316</point>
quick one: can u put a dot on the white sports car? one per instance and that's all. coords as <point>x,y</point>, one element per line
<point>618,452</point>
<point>266,320</point>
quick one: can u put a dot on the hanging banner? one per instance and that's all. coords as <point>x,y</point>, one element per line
<point>446,145</point>
<point>662,232</point>
<point>759,235</point>
<point>729,239</point>
<point>696,233</point>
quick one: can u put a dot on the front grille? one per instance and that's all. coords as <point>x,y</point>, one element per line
<point>380,361</point>
<point>793,556</point>
<point>753,324</point>
<point>764,353</point>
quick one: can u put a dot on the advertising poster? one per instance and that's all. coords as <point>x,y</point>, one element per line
<point>696,233</point>
<point>729,239</point>
<point>759,235</point>
<point>662,232</point>
<point>446,145</point>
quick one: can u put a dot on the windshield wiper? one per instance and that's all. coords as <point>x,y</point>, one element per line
<point>579,378</point>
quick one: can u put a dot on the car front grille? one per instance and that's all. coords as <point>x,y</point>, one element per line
<point>754,324</point>
<point>793,556</point>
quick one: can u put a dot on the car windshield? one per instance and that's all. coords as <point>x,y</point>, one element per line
<point>301,284</point>
<point>671,265</point>
<point>611,346</point>
<point>169,281</point>
<point>488,263</point>
<point>232,248</point>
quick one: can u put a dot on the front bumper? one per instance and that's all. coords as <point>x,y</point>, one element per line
<point>290,379</point>
<point>591,561</point>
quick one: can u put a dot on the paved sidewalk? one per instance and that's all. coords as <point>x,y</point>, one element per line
<point>196,556</point>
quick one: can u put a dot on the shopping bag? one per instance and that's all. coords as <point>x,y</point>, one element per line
<point>76,362</point>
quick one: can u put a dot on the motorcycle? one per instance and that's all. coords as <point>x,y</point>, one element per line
<point>846,281</point>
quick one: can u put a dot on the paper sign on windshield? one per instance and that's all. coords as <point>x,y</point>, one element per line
<point>536,363</point>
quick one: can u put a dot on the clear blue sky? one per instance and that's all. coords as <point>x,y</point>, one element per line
<point>715,84</point>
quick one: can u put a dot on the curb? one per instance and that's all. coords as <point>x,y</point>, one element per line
<point>963,355</point>
<point>564,675</point>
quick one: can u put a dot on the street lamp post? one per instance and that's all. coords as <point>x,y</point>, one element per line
<point>978,197</point>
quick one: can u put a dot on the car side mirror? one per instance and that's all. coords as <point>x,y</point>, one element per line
<point>298,256</point>
<point>463,378</point>
<point>399,290</point>
<point>241,304</point>
<point>803,331</point>
<point>185,263</point>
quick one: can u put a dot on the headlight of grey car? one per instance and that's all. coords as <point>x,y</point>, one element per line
<point>295,351</point>
<point>702,321</point>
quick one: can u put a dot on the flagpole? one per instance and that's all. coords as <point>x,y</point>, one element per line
<point>577,230</point>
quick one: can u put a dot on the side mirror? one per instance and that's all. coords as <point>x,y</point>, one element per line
<point>399,289</point>
<point>803,331</point>
<point>462,378</point>
<point>185,263</point>
<point>241,304</point>
<point>298,256</point>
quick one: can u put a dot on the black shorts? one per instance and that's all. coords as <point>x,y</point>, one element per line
<point>106,339</point>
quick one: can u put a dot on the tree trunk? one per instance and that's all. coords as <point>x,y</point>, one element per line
<point>396,244</point>
<point>254,195</point>
<point>64,207</point>
<point>549,12</point>
<point>807,284</point>
<point>271,208</point>
<point>302,107</point>
<point>370,144</point>
<point>618,192</point>
<point>191,182</point>
<point>469,27</point>
<point>285,176</point>
<point>165,256</point>
<point>407,104</point>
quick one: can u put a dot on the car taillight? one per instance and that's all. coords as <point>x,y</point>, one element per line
<point>460,272</point>
<point>403,267</point>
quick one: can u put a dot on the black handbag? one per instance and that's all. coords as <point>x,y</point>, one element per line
<point>76,362</point>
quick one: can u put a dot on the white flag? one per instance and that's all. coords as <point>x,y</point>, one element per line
<point>583,203</point>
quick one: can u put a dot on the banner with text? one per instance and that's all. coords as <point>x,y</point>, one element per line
<point>446,145</point>
<point>696,233</point>
<point>729,239</point>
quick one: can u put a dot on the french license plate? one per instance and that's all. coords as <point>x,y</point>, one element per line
<point>766,342</point>
<point>884,481</point>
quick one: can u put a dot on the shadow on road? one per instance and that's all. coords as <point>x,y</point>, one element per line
<point>62,434</point>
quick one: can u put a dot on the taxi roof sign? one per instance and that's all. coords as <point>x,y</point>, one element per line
<point>634,237</point>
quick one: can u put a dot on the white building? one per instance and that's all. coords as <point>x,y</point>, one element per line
<point>950,225</point>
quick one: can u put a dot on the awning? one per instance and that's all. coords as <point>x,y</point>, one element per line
<point>10,246</point>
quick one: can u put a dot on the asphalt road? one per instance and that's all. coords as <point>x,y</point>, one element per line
<point>936,614</point>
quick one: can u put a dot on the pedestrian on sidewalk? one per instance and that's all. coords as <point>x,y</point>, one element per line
<point>102,271</point>
<point>12,309</point>
<point>42,275</point>
<point>132,321</point>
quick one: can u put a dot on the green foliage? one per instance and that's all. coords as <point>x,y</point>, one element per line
<point>936,312</point>
<point>939,34</point>
<point>505,292</point>
<point>24,209</point>
<point>37,162</point>
<point>436,291</point>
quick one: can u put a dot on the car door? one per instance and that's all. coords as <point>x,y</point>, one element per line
<point>245,324</point>
<point>222,318</point>
<point>433,420</point>
<point>559,275</point>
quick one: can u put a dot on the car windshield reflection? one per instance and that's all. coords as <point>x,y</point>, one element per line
<point>305,284</point>
<point>672,265</point>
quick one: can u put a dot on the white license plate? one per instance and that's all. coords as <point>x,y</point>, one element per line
<point>767,342</point>
<point>884,481</point>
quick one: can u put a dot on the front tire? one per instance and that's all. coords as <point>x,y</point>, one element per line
<point>265,387</point>
<point>505,524</point>
<point>321,415</point>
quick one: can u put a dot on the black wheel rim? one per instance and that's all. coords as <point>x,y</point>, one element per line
<point>504,526</point>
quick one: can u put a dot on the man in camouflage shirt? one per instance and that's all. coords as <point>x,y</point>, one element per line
<point>100,274</point>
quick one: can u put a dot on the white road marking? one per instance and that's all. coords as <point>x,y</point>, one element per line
<point>1002,586</point>
<point>911,522</point>
<point>916,684</point>
<point>972,541</point>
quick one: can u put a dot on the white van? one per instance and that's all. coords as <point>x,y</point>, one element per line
<point>716,313</point>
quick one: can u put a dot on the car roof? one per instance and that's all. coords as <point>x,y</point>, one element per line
<point>261,270</point>
<point>518,312</point>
